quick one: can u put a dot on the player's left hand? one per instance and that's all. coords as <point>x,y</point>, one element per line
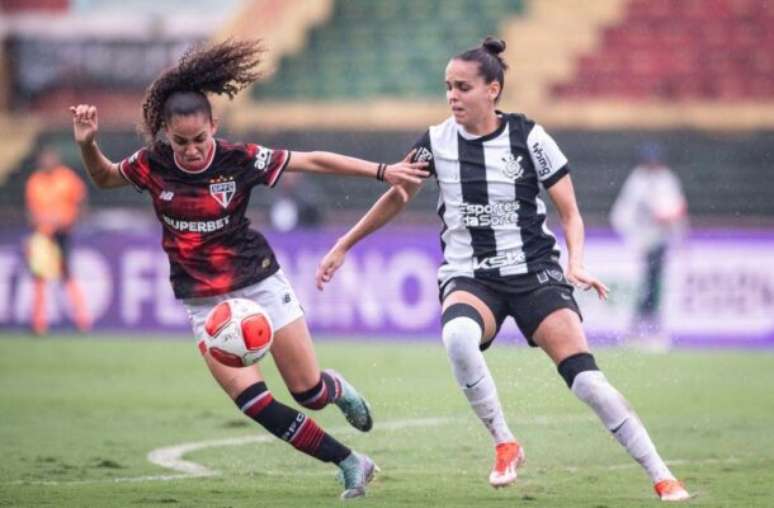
<point>581,279</point>
<point>406,172</point>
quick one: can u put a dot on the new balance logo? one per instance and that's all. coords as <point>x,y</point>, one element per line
<point>166,195</point>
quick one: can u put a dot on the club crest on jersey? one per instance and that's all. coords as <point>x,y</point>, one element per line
<point>512,168</point>
<point>223,189</point>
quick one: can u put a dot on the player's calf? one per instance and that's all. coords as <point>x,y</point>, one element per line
<point>289,425</point>
<point>590,385</point>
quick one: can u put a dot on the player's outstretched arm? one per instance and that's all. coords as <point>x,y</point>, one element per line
<point>399,174</point>
<point>562,194</point>
<point>102,170</point>
<point>383,211</point>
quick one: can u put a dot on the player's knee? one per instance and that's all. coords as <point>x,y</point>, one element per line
<point>462,327</point>
<point>572,366</point>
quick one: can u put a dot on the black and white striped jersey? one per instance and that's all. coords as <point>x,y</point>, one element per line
<point>494,222</point>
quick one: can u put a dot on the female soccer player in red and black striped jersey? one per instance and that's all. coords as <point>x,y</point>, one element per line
<point>501,260</point>
<point>200,187</point>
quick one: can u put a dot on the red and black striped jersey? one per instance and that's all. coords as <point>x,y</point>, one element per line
<point>211,248</point>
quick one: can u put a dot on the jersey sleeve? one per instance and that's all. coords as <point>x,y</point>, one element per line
<point>266,164</point>
<point>550,163</point>
<point>424,152</point>
<point>136,169</point>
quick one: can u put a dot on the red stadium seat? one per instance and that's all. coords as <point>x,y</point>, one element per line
<point>681,50</point>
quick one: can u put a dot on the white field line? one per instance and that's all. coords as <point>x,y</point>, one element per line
<point>171,457</point>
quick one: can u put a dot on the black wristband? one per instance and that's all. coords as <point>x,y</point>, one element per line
<point>380,170</point>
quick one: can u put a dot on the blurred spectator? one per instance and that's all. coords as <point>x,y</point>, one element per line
<point>55,195</point>
<point>295,204</point>
<point>650,213</point>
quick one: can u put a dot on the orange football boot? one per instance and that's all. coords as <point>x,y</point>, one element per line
<point>509,456</point>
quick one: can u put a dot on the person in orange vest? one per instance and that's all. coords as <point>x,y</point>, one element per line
<point>55,195</point>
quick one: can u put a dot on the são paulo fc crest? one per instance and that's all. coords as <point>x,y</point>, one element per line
<point>512,168</point>
<point>222,189</point>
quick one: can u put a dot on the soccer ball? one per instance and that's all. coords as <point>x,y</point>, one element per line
<point>238,332</point>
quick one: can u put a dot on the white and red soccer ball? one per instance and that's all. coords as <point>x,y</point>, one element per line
<point>238,332</point>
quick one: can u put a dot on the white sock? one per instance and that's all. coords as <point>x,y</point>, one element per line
<point>461,336</point>
<point>592,387</point>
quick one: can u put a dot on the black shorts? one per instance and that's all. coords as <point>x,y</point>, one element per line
<point>528,298</point>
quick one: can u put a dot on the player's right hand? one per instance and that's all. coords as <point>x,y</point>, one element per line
<point>85,124</point>
<point>328,266</point>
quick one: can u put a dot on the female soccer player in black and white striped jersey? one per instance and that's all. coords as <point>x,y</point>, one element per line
<point>200,187</point>
<point>501,260</point>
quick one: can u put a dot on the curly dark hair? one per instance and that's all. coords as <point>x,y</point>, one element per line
<point>224,68</point>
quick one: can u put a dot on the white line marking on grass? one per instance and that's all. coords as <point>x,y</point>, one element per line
<point>171,457</point>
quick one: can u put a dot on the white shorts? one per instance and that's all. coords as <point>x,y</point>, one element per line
<point>274,294</point>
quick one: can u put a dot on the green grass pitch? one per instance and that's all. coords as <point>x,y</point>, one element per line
<point>79,417</point>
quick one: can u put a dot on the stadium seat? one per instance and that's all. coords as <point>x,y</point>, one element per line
<point>672,46</point>
<point>384,49</point>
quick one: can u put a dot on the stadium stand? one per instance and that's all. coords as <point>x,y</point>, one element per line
<point>374,65</point>
<point>411,56</point>
<point>692,63</point>
<point>17,6</point>
<point>18,134</point>
<point>365,78</point>
<point>681,50</point>
<point>546,40</point>
<point>58,53</point>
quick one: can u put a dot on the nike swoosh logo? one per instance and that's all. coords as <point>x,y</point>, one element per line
<point>619,427</point>
<point>471,385</point>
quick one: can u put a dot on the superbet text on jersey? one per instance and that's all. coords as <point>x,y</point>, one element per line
<point>207,237</point>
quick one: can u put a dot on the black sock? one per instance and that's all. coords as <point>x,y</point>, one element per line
<point>327,390</point>
<point>290,425</point>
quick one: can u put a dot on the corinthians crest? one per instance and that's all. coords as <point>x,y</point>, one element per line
<point>512,168</point>
<point>222,189</point>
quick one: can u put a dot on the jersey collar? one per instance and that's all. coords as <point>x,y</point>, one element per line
<point>474,137</point>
